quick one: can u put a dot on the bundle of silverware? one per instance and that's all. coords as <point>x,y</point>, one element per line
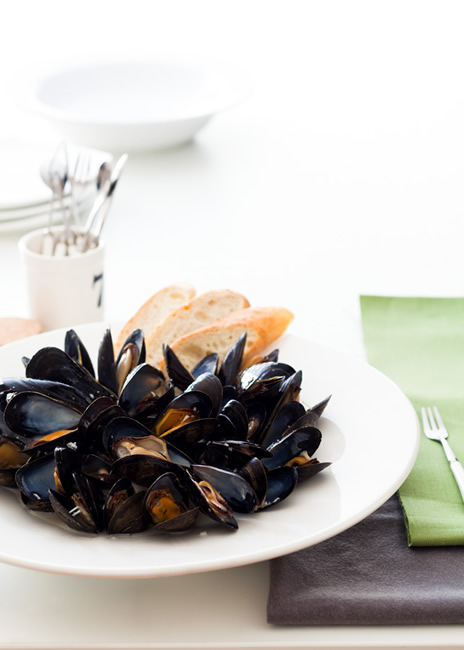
<point>76,173</point>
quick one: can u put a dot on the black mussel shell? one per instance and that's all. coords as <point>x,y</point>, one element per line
<point>262,372</point>
<point>210,502</point>
<point>305,440</point>
<point>34,480</point>
<point>67,462</point>
<point>289,414</point>
<point>187,407</point>
<point>168,506</point>
<point>54,389</point>
<point>191,438</point>
<point>311,416</point>
<point>280,484</point>
<point>232,361</point>
<point>231,486</point>
<point>123,427</point>
<point>130,516</point>
<point>106,364</point>
<point>211,386</point>
<point>131,354</point>
<point>255,473</point>
<point>231,454</point>
<point>143,469</point>
<point>143,387</point>
<point>33,414</point>
<point>288,392</point>
<point>177,372</point>
<point>233,421</point>
<point>12,457</point>
<point>257,416</point>
<point>208,364</point>
<point>74,347</point>
<point>119,492</point>
<point>309,469</point>
<point>94,421</point>
<point>53,364</point>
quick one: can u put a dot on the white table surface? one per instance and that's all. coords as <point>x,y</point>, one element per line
<point>341,174</point>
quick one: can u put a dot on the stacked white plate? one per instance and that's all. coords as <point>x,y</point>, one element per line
<point>25,200</point>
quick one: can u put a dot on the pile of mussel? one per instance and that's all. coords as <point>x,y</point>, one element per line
<point>129,446</point>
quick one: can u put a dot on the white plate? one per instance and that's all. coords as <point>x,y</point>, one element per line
<point>22,188</point>
<point>136,105</point>
<point>370,433</point>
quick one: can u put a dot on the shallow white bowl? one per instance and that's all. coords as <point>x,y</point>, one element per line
<point>136,105</point>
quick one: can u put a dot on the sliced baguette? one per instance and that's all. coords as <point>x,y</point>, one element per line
<point>155,310</point>
<point>263,325</point>
<point>199,312</point>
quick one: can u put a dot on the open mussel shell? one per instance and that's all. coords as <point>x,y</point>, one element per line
<point>142,469</point>
<point>43,421</point>
<point>32,414</point>
<point>255,474</point>
<point>210,501</point>
<point>82,507</point>
<point>34,480</point>
<point>54,389</point>
<point>191,438</point>
<point>168,505</point>
<point>67,462</point>
<point>131,354</point>
<point>74,347</point>
<point>73,515</point>
<point>309,468</point>
<point>53,364</point>
<point>251,379</point>
<point>289,414</point>
<point>300,442</point>
<point>231,454</point>
<point>94,421</point>
<point>231,486</point>
<point>125,428</point>
<point>124,509</point>
<point>12,457</point>
<point>289,391</point>
<point>211,386</point>
<point>143,389</point>
<point>189,406</point>
<point>233,421</point>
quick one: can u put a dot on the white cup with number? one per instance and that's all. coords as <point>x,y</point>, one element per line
<point>63,289</point>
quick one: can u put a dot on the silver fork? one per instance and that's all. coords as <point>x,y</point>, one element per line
<point>436,430</point>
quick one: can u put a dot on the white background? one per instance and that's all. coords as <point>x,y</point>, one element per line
<point>339,174</point>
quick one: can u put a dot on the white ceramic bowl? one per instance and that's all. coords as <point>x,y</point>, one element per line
<point>136,105</point>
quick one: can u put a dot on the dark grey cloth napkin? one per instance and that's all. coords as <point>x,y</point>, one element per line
<point>368,575</point>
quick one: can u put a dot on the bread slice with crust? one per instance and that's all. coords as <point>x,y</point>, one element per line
<point>263,325</point>
<point>199,312</point>
<point>155,309</point>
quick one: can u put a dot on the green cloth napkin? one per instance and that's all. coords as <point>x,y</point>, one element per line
<point>419,343</point>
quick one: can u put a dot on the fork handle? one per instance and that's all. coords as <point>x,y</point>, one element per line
<point>458,471</point>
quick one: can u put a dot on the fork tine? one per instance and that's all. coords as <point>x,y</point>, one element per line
<point>433,424</point>
<point>440,422</point>
<point>425,421</point>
